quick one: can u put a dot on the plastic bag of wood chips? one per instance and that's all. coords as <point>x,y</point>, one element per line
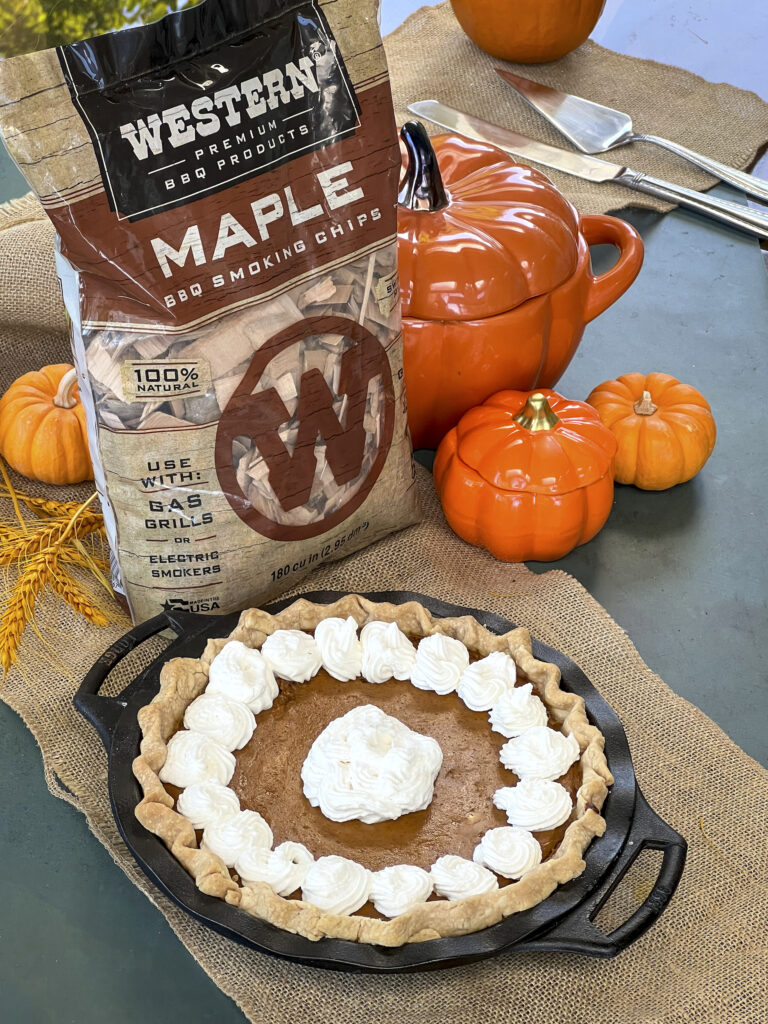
<point>222,183</point>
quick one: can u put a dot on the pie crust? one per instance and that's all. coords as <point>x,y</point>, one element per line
<point>184,679</point>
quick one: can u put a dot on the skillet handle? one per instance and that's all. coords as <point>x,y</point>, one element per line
<point>103,712</point>
<point>577,934</point>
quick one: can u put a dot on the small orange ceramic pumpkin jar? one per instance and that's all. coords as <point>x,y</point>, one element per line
<point>495,277</point>
<point>528,477</point>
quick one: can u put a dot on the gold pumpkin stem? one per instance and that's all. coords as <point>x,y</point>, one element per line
<point>644,406</point>
<point>64,398</point>
<point>536,414</point>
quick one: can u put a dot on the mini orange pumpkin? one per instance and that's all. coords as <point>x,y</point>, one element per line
<point>665,429</point>
<point>42,427</point>
<point>529,477</point>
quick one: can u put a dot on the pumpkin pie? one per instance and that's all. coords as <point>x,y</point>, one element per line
<point>366,771</point>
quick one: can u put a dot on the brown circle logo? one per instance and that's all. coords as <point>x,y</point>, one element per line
<point>304,438</point>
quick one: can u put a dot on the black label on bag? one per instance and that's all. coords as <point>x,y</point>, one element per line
<point>207,98</point>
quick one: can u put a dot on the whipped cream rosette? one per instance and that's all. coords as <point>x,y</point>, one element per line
<point>456,877</point>
<point>193,757</point>
<point>292,655</point>
<point>484,682</point>
<point>241,673</point>
<point>208,803</point>
<point>387,652</point>
<point>516,710</point>
<point>340,649</point>
<point>231,838</point>
<point>509,851</point>
<point>399,888</point>
<point>337,885</point>
<point>440,662</point>
<point>289,863</point>
<point>535,804</point>
<point>283,869</point>
<point>230,722</point>
<point>540,753</point>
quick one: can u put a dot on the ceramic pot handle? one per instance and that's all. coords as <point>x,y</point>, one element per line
<point>605,288</point>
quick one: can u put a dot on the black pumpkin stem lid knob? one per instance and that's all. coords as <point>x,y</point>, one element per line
<point>422,187</point>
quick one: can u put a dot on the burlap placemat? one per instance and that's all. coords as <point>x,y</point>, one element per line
<point>705,961</point>
<point>431,58</point>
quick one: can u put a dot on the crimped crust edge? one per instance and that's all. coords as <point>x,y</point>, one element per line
<point>183,679</point>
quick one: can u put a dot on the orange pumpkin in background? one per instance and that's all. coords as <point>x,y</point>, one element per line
<point>528,477</point>
<point>528,31</point>
<point>42,427</point>
<point>665,430</point>
<point>495,277</point>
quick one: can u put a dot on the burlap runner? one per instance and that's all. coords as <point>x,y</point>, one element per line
<point>704,962</point>
<point>431,58</point>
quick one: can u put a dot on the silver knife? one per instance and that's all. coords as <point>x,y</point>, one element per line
<point>589,167</point>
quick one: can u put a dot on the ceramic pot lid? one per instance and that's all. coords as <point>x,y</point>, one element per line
<point>542,443</point>
<point>478,233</point>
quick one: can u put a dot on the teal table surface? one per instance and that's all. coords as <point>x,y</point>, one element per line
<point>682,571</point>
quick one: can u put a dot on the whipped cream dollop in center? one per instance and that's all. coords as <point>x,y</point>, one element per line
<point>369,766</point>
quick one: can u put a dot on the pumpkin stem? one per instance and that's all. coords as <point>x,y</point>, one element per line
<point>644,406</point>
<point>422,187</point>
<point>536,414</point>
<point>64,398</point>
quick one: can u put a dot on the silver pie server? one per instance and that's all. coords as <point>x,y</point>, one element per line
<point>590,167</point>
<point>593,128</point>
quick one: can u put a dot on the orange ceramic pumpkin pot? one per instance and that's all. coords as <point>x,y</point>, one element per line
<point>528,31</point>
<point>495,277</point>
<point>528,477</point>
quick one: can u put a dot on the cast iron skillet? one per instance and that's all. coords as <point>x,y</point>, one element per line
<point>563,922</point>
